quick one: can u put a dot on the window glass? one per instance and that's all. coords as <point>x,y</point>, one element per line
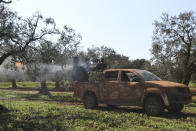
<point>124,76</point>
<point>148,76</point>
<point>111,75</point>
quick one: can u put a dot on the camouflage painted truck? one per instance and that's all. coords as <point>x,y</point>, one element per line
<point>127,87</point>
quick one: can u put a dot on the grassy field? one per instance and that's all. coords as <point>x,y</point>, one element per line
<point>192,85</point>
<point>50,85</point>
<point>61,111</point>
<point>32,85</point>
<point>193,88</point>
<point>27,84</point>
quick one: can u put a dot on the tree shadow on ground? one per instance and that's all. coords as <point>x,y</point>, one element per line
<point>4,117</point>
<point>177,116</point>
<point>165,114</point>
<point>182,114</point>
<point>121,109</point>
<point>54,98</point>
<point>3,109</point>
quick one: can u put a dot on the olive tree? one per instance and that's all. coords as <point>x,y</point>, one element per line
<point>174,45</point>
<point>17,33</point>
<point>48,59</point>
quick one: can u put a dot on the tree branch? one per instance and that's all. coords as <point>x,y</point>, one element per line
<point>2,10</point>
<point>4,56</point>
<point>193,65</point>
<point>36,24</point>
<point>5,2</point>
<point>181,37</point>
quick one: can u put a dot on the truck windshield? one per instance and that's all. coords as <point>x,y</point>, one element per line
<point>148,76</point>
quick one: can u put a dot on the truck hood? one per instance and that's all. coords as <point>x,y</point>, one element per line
<point>165,84</point>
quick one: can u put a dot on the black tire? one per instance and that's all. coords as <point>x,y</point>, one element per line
<point>3,109</point>
<point>111,106</point>
<point>90,101</point>
<point>153,105</point>
<point>175,108</point>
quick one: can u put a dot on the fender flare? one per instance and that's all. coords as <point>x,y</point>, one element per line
<point>157,92</point>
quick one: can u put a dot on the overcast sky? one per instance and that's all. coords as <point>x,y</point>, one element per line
<point>124,25</point>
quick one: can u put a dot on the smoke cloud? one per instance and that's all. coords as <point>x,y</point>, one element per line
<point>45,71</point>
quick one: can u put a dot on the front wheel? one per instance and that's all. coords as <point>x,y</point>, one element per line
<point>90,101</point>
<point>175,108</point>
<point>111,106</point>
<point>153,106</point>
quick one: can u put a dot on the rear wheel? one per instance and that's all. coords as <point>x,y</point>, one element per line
<point>153,105</point>
<point>90,101</point>
<point>3,109</point>
<point>175,108</point>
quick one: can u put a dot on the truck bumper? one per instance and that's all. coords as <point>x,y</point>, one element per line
<point>179,99</point>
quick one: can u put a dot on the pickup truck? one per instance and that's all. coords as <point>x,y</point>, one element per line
<point>134,87</point>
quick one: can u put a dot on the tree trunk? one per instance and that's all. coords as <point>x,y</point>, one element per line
<point>4,56</point>
<point>14,84</point>
<point>33,78</point>
<point>43,85</point>
<point>187,78</point>
<point>44,89</point>
<point>57,86</point>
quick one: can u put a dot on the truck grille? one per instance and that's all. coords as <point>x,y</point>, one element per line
<point>173,98</point>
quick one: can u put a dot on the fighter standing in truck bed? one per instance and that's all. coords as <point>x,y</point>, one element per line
<point>101,65</point>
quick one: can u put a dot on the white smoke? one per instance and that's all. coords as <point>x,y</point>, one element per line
<point>45,71</point>
<point>53,72</point>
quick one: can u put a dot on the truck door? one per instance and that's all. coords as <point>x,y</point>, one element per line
<point>130,88</point>
<point>109,92</point>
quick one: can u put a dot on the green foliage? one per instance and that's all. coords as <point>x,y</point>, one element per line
<point>117,61</point>
<point>111,57</point>
<point>96,77</point>
<point>62,84</point>
<point>140,64</point>
<point>65,85</point>
<point>44,113</point>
